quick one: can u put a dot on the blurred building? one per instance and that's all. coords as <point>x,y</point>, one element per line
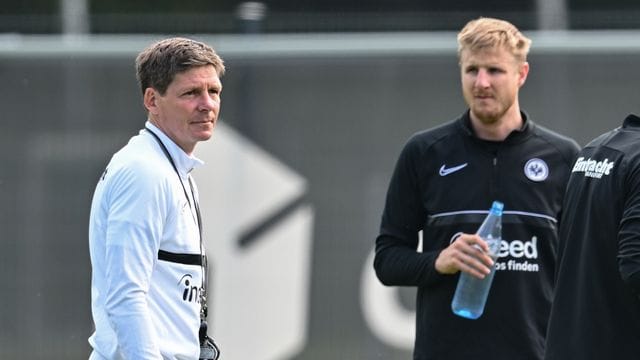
<point>286,16</point>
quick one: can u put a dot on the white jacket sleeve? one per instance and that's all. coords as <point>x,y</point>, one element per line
<point>137,212</point>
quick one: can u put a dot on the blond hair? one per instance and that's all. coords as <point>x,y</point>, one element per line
<point>488,33</point>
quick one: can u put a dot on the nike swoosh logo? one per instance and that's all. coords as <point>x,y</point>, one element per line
<point>446,171</point>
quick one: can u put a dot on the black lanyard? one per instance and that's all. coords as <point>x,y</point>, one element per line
<point>203,293</point>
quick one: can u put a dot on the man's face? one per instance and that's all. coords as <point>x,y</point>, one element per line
<point>490,82</point>
<point>188,111</point>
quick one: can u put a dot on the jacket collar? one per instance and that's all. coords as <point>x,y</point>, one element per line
<point>631,121</point>
<point>184,163</point>
<point>516,136</point>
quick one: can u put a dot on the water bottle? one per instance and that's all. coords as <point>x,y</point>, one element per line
<point>471,292</point>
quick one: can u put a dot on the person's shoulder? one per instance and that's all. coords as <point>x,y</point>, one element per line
<point>138,162</point>
<point>430,136</point>
<point>565,145</point>
<point>621,139</point>
<point>555,137</point>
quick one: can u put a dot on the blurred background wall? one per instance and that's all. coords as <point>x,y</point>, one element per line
<point>318,99</point>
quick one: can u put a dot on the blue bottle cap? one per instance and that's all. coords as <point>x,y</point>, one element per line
<point>497,207</point>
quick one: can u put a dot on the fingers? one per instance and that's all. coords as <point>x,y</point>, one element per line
<point>473,241</point>
<point>478,265</point>
<point>469,253</point>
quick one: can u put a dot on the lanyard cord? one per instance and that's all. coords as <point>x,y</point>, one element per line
<point>203,293</point>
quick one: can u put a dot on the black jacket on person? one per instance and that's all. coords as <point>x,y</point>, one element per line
<point>444,183</point>
<point>596,309</point>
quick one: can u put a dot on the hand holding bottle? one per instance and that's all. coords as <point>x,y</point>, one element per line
<point>467,253</point>
<point>471,292</point>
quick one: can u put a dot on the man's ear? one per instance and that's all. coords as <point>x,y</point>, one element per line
<point>523,73</point>
<point>150,100</point>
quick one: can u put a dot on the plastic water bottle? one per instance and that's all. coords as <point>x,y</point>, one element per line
<point>471,292</point>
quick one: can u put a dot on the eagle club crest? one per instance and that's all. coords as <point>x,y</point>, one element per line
<point>536,170</point>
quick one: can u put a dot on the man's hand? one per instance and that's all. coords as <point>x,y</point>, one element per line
<point>468,253</point>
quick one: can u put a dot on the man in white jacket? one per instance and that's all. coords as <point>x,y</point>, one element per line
<point>147,256</point>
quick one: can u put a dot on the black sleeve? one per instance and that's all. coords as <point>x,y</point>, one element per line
<point>629,232</point>
<point>400,265</point>
<point>397,261</point>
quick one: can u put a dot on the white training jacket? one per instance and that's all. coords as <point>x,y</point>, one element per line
<point>144,308</point>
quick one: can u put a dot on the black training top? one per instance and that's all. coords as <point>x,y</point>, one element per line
<point>596,310</point>
<point>444,183</point>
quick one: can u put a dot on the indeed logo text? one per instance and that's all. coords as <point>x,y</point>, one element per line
<point>190,292</point>
<point>519,249</point>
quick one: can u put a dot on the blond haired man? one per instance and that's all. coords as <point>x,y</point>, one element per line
<point>443,184</point>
